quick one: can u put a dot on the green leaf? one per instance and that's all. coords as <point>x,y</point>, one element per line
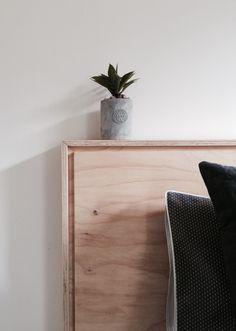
<point>111,71</point>
<point>105,82</point>
<point>115,79</point>
<point>125,78</point>
<point>117,68</point>
<point>117,85</point>
<point>128,84</point>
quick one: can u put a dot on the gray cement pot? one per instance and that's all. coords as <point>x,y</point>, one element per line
<point>116,118</point>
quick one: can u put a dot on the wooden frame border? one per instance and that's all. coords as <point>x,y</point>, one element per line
<point>66,150</point>
<point>65,234</point>
<point>147,143</point>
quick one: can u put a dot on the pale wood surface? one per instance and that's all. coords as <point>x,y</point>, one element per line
<point>151,143</point>
<point>65,234</point>
<point>118,265</point>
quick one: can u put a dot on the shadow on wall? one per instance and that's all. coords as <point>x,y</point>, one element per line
<point>30,236</point>
<point>82,126</point>
<point>73,116</point>
<point>32,244</point>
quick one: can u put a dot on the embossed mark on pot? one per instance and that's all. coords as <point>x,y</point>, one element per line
<point>119,116</point>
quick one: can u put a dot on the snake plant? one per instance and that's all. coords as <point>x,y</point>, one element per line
<point>115,84</point>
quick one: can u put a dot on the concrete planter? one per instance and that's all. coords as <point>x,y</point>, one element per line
<point>116,118</point>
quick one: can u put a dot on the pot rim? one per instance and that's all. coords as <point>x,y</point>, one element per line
<point>117,99</point>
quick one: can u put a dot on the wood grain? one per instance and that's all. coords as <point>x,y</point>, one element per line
<point>118,265</point>
<point>65,234</point>
<point>150,143</point>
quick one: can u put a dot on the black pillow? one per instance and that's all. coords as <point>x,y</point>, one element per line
<point>221,184</point>
<point>198,295</point>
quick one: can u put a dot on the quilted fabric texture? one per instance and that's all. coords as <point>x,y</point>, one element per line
<point>221,184</point>
<point>201,290</point>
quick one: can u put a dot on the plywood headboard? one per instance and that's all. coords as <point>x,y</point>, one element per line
<point>115,255</point>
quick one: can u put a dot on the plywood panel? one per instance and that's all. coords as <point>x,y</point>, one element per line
<point>128,219</point>
<point>120,270</point>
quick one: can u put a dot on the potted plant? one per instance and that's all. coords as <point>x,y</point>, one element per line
<point>116,111</point>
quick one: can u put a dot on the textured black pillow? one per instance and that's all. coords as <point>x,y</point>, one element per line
<point>198,296</point>
<point>221,184</point>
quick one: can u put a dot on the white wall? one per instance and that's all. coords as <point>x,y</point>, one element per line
<point>184,53</point>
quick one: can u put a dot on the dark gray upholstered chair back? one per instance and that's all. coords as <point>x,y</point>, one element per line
<point>198,298</point>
